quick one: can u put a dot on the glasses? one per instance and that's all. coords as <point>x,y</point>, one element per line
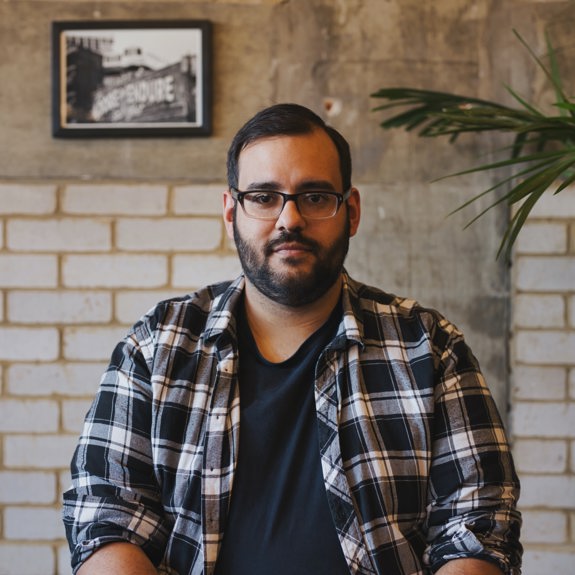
<point>268,205</point>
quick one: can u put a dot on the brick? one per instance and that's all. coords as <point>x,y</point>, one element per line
<point>115,271</point>
<point>26,559</point>
<point>572,311</point>
<point>64,480</point>
<point>572,383</point>
<point>203,200</point>
<point>25,344</point>
<point>169,234</point>
<point>27,199</point>
<point>553,274</point>
<point>561,205</point>
<point>17,415</point>
<point>540,456</point>
<point>59,307</point>
<point>548,491</point>
<point>115,199</point>
<point>33,523</point>
<point>534,382</point>
<point>69,379</point>
<point>64,564</point>
<point>27,487</point>
<point>538,419</point>
<point>543,238</point>
<point>548,562</point>
<point>62,235</point>
<point>73,414</point>
<point>28,271</point>
<point>545,347</point>
<point>197,271</point>
<point>91,343</point>
<point>544,527</point>
<point>539,311</point>
<point>39,451</point>
<point>131,305</point>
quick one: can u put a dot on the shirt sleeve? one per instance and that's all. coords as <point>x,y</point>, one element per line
<point>473,487</point>
<point>114,494</point>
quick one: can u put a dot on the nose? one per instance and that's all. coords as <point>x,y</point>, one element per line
<point>290,217</point>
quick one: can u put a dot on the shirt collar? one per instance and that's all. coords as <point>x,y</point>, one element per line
<point>351,326</point>
<point>222,317</point>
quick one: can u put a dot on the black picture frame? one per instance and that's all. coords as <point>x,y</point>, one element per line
<point>131,78</point>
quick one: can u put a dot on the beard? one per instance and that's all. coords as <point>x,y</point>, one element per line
<point>293,289</point>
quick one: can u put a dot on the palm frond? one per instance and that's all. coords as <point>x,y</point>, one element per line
<point>542,152</point>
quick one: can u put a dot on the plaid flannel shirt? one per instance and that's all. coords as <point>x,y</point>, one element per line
<point>416,465</point>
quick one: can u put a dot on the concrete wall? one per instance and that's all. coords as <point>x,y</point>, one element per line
<point>93,232</point>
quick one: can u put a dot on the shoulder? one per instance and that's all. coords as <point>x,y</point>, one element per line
<point>383,314</point>
<point>193,313</point>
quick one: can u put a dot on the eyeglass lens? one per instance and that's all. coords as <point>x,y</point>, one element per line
<point>264,204</point>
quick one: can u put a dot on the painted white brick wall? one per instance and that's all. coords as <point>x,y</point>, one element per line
<point>115,271</point>
<point>18,199</point>
<point>79,263</point>
<point>543,384</point>
<point>168,234</point>
<point>61,235</point>
<point>200,270</point>
<point>545,527</point>
<point>54,378</point>
<point>198,200</point>
<point>32,523</point>
<point>91,343</point>
<point>28,344</point>
<point>27,271</point>
<point>130,305</point>
<point>30,559</point>
<point>59,307</point>
<point>108,199</point>
<point>28,487</point>
<point>28,415</point>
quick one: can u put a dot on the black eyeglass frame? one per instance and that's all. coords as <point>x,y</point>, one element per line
<point>239,196</point>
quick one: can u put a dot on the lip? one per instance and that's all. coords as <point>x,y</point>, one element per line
<point>292,247</point>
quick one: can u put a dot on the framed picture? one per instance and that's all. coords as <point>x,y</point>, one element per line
<point>131,78</point>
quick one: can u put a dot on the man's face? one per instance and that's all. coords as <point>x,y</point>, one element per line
<point>292,260</point>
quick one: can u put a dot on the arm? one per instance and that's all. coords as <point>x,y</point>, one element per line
<point>473,488</point>
<point>469,567</point>
<point>115,496</point>
<point>123,558</point>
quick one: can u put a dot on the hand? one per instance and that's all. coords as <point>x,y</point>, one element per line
<point>118,559</point>
<point>469,567</point>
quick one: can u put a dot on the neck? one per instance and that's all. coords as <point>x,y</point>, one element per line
<point>279,330</point>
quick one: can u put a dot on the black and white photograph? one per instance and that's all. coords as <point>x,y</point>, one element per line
<point>131,78</point>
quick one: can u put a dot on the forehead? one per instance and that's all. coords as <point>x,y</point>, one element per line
<point>288,159</point>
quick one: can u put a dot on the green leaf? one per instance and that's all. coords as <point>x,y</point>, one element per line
<point>543,149</point>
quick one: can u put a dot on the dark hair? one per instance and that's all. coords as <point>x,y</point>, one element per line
<point>286,120</point>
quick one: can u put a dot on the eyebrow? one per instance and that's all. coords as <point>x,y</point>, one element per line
<point>302,187</point>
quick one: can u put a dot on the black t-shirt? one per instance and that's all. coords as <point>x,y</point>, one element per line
<point>279,521</point>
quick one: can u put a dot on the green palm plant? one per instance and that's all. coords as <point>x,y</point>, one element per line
<point>541,157</point>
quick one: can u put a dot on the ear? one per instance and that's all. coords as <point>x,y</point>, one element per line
<point>354,211</point>
<point>228,213</point>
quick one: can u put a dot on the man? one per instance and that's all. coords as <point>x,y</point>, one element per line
<point>293,421</point>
